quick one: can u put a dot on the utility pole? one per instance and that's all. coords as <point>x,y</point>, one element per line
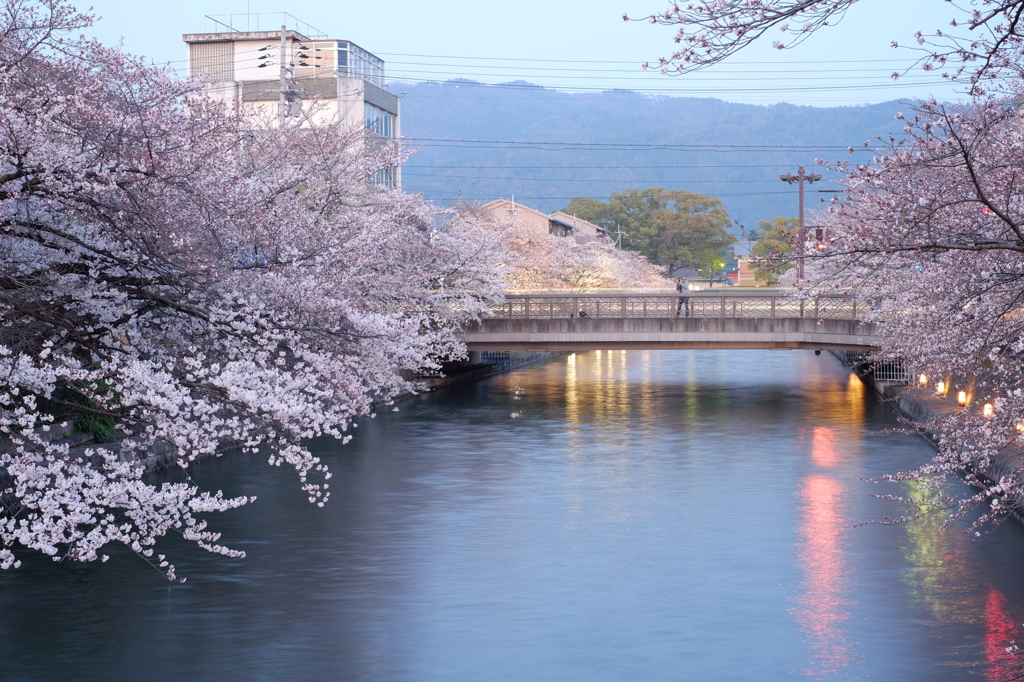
<point>801,235</point>
<point>285,86</point>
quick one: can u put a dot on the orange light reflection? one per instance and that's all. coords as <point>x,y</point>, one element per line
<point>822,609</point>
<point>823,447</point>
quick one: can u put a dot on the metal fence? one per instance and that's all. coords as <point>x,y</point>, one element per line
<point>893,371</point>
<point>695,304</point>
<point>494,357</point>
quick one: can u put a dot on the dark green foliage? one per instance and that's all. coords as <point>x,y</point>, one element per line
<point>773,247</point>
<point>674,228</point>
<point>100,426</point>
<point>63,406</point>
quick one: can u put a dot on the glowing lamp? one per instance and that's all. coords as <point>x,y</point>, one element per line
<point>987,410</point>
<point>923,380</point>
<point>940,388</point>
<point>961,398</point>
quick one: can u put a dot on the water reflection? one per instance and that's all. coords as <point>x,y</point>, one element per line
<point>822,609</point>
<point>822,606</point>
<point>1001,632</point>
<point>656,516</point>
<point>956,594</point>
<point>836,415</point>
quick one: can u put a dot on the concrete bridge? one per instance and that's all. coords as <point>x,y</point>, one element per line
<point>718,319</point>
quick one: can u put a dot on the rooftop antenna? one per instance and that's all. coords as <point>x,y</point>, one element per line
<point>512,209</point>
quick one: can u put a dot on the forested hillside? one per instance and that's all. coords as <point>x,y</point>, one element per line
<point>546,146</point>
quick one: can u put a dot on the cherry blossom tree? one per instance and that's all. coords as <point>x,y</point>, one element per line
<point>535,259</point>
<point>932,234</point>
<point>197,280</point>
<point>983,39</point>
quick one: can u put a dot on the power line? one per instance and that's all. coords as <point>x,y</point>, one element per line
<point>526,196</point>
<point>885,72</point>
<point>621,146</point>
<point>677,91</point>
<point>604,166</point>
<point>908,61</point>
<point>406,172</point>
<point>639,77</point>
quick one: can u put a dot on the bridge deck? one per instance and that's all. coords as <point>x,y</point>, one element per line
<point>555,321</point>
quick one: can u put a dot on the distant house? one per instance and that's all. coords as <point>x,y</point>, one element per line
<point>558,223</point>
<point>579,226</point>
<point>742,273</point>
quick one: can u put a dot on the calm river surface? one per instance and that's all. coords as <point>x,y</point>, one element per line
<point>675,515</point>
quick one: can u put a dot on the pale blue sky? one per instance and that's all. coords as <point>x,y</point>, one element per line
<point>569,44</point>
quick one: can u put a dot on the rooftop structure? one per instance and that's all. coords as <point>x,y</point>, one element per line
<point>558,223</point>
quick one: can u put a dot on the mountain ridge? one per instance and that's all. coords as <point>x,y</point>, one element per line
<point>477,142</point>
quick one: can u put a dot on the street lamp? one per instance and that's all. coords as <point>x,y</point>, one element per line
<point>801,235</point>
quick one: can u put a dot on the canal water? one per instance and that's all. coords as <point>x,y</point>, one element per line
<point>675,515</point>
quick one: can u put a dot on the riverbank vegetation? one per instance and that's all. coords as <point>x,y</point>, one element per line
<point>931,232</point>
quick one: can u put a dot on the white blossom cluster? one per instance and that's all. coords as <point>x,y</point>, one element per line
<point>198,280</point>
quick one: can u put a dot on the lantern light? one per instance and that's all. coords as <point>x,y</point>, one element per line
<point>940,388</point>
<point>961,398</point>
<point>987,410</point>
<point>923,380</point>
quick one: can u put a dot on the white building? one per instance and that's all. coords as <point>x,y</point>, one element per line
<point>276,71</point>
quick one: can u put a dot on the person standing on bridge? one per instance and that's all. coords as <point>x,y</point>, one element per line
<point>682,286</point>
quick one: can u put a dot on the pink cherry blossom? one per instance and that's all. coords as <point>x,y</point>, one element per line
<point>199,279</point>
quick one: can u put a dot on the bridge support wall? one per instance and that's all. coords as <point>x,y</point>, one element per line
<point>654,333</point>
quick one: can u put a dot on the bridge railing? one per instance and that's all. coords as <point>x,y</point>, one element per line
<point>702,304</point>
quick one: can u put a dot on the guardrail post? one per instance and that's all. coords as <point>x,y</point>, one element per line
<point>721,306</point>
<point>575,306</point>
<point>816,315</point>
<point>624,306</point>
<point>526,307</point>
<point>773,308</point>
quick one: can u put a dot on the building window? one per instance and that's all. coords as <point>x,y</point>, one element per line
<point>379,121</point>
<point>355,62</point>
<point>386,178</point>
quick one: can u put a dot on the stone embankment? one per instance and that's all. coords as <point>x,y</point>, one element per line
<point>472,371</point>
<point>79,445</point>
